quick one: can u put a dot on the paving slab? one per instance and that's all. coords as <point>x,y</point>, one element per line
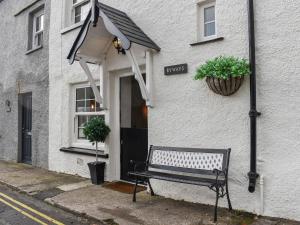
<point>74,186</point>
<point>108,205</point>
<point>33,180</point>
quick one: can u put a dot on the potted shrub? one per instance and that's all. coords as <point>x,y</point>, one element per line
<point>96,131</point>
<point>224,74</point>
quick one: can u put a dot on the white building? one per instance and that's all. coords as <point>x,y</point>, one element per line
<point>184,112</point>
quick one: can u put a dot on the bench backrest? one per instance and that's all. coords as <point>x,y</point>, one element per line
<point>188,160</point>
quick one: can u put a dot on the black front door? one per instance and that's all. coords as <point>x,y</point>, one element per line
<point>134,125</point>
<point>26,125</point>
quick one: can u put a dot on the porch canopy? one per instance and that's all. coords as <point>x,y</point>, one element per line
<point>103,25</point>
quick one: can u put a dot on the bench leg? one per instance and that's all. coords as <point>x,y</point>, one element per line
<point>228,198</point>
<point>151,189</point>
<point>135,187</point>
<point>216,206</point>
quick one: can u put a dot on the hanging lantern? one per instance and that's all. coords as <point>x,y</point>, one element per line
<point>118,45</point>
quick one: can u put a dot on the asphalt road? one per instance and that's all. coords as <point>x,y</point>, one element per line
<point>20,209</point>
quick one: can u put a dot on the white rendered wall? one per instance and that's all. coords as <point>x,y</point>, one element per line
<point>186,113</point>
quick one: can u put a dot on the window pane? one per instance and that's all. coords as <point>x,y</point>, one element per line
<point>82,120</point>
<point>80,106</point>
<point>98,109</point>
<point>90,106</point>
<point>89,93</point>
<point>85,10</point>
<point>42,22</point>
<point>38,39</point>
<point>80,133</point>
<point>77,14</point>
<point>209,14</point>
<point>81,12</point>
<point>37,24</point>
<point>80,93</point>
<point>209,29</point>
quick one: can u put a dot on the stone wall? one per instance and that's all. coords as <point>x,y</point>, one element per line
<point>23,72</point>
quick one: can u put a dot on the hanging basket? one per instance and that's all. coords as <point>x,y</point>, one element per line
<point>224,87</point>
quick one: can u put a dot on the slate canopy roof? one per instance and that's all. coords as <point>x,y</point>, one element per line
<point>118,24</point>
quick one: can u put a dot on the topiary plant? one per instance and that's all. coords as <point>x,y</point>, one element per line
<point>223,67</point>
<point>96,131</point>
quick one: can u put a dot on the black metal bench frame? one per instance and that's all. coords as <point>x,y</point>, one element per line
<point>215,179</point>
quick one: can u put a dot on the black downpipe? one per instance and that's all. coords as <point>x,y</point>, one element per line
<point>253,114</point>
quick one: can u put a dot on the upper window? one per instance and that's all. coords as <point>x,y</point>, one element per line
<point>80,10</point>
<point>36,29</point>
<point>207,20</point>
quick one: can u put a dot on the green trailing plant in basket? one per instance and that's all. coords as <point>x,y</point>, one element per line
<point>223,67</point>
<point>224,74</point>
<point>96,131</point>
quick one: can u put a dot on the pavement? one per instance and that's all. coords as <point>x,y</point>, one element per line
<point>20,209</point>
<point>77,195</point>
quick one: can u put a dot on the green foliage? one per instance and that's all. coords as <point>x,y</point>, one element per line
<point>96,130</point>
<point>223,67</point>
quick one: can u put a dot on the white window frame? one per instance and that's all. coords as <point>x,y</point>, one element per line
<point>201,28</point>
<point>36,33</point>
<point>83,143</point>
<point>74,6</point>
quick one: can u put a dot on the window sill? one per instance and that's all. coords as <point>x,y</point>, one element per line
<point>84,151</point>
<point>33,50</point>
<point>207,41</point>
<point>72,27</point>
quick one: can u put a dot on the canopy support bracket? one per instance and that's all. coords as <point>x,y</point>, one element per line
<point>138,76</point>
<point>93,84</point>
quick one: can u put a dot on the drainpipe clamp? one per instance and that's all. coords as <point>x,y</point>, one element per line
<point>254,113</point>
<point>252,181</point>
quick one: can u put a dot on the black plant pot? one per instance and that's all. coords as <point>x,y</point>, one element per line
<point>97,172</point>
<point>224,87</point>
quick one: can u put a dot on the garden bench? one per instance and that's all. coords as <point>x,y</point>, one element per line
<point>203,167</point>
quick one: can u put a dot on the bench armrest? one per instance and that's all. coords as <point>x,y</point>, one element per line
<point>138,165</point>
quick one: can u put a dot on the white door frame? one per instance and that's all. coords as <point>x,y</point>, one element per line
<point>115,143</point>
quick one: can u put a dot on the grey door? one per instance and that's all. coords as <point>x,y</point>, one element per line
<point>134,125</point>
<point>26,126</point>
